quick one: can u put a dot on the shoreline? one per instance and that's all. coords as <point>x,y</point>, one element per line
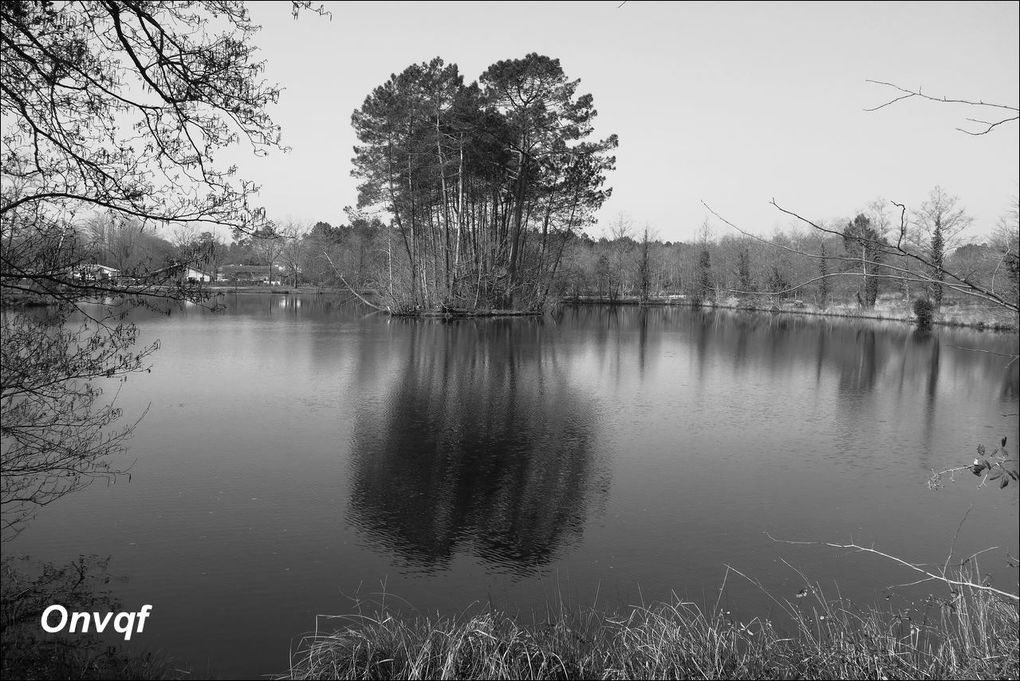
<point>836,311</point>
<point>897,311</point>
<point>952,316</point>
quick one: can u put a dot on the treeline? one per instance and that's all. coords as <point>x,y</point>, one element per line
<point>839,265</point>
<point>323,255</point>
<point>739,266</point>
<point>842,261</point>
<point>925,254</point>
<point>482,196</point>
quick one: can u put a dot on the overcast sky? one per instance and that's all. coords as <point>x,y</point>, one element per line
<point>724,102</point>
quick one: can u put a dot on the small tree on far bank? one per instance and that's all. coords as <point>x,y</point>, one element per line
<point>703,283</point>
<point>705,287</point>
<point>864,244</point>
<point>744,278</point>
<point>778,283</point>
<point>939,221</point>
<point>824,286</point>
<point>644,270</point>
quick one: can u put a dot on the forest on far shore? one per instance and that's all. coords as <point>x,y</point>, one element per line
<point>793,264</point>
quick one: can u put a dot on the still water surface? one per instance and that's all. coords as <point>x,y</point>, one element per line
<point>299,454</point>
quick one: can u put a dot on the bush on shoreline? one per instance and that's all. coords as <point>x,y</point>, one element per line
<point>924,312</point>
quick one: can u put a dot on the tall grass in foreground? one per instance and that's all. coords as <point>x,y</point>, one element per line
<point>971,633</point>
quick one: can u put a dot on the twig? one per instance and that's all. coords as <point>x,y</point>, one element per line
<point>952,547</point>
<point>912,566</point>
<point>999,354</point>
<point>989,125</point>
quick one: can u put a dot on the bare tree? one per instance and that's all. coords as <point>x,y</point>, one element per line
<point>292,250</point>
<point>644,269</point>
<point>621,228</point>
<point>704,282</point>
<point>117,108</point>
<point>939,222</point>
<point>1006,242</point>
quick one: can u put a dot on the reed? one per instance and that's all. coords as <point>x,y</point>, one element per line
<point>967,633</point>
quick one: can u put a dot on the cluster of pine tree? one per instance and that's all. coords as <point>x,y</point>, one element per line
<point>485,182</point>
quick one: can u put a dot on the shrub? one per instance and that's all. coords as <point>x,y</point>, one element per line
<point>924,311</point>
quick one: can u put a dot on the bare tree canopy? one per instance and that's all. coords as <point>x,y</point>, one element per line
<point>113,113</point>
<point>122,105</point>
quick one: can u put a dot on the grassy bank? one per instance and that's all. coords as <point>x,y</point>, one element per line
<point>962,313</point>
<point>969,634</point>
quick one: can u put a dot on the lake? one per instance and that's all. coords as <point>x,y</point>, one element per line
<point>302,457</point>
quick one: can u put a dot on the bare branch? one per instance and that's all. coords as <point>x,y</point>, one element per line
<point>990,125</point>
<point>913,566</point>
<point>349,287</point>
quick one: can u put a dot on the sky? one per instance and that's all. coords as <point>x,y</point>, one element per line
<point>725,103</point>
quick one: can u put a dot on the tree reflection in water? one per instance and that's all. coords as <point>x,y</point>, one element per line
<point>481,446</point>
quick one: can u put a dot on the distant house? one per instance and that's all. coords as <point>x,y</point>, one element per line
<point>249,275</point>
<point>178,272</point>
<point>93,272</point>
<point>196,276</point>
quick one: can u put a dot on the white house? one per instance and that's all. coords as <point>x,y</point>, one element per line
<point>93,272</point>
<point>196,276</point>
<point>249,274</point>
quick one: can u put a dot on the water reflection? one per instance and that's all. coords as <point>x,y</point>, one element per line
<point>873,371</point>
<point>866,356</point>
<point>482,450</point>
<point>482,443</point>
<point>229,303</point>
<point>481,446</point>
<point>861,373</point>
